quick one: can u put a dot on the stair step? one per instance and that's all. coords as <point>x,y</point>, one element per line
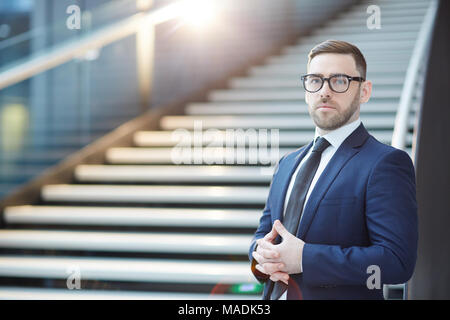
<point>387,21</point>
<point>164,174</point>
<point>20,293</point>
<point>267,122</point>
<point>333,31</point>
<point>399,56</point>
<point>398,5</point>
<point>276,108</point>
<point>283,95</point>
<point>288,70</point>
<point>138,270</point>
<point>392,16</point>
<point>292,69</point>
<point>254,195</point>
<point>206,156</point>
<point>369,44</point>
<point>387,12</point>
<point>219,138</point>
<point>353,37</point>
<point>189,156</point>
<point>133,216</point>
<point>294,81</point>
<point>125,241</point>
<point>369,49</point>
<point>286,138</point>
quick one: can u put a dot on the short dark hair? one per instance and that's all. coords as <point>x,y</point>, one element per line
<point>342,47</point>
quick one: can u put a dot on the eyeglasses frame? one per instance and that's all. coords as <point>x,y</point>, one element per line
<point>350,79</point>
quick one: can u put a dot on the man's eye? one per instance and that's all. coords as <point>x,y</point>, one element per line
<point>340,81</point>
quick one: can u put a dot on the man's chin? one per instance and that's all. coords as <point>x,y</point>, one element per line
<point>327,125</point>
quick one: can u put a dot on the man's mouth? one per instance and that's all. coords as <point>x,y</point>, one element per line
<point>325,107</point>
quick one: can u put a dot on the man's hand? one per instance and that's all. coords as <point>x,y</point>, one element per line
<point>279,260</point>
<point>268,259</point>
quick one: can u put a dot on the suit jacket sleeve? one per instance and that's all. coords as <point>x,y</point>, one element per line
<point>265,225</point>
<point>391,218</point>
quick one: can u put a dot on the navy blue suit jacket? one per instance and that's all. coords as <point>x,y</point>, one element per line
<point>361,212</point>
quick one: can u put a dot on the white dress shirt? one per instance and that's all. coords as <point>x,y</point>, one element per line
<point>335,138</point>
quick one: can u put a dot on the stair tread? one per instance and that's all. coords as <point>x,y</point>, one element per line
<point>164,173</point>
<point>132,216</point>
<point>125,241</point>
<point>293,68</point>
<point>20,293</point>
<point>293,57</point>
<point>147,194</point>
<point>181,155</point>
<point>282,94</point>
<point>263,121</point>
<point>166,138</point>
<point>288,82</point>
<point>122,269</point>
<point>231,107</point>
<point>218,138</point>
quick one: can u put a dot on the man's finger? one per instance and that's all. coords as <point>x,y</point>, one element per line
<point>272,267</point>
<point>260,269</point>
<point>268,254</point>
<point>282,231</point>
<point>257,257</point>
<point>262,243</point>
<point>271,235</point>
<point>280,276</point>
<point>266,257</point>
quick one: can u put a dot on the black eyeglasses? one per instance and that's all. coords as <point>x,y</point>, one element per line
<point>338,83</point>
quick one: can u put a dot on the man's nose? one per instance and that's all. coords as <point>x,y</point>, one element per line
<point>325,91</point>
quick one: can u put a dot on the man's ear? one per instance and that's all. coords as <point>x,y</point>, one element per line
<point>366,91</point>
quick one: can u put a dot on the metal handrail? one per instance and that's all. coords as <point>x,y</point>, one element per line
<point>72,49</point>
<point>412,75</point>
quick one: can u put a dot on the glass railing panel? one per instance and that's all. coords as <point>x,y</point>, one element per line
<point>55,113</point>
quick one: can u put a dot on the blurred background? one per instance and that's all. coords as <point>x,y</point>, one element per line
<point>98,200</point>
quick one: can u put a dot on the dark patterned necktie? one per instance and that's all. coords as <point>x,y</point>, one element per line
<point>299,191</point>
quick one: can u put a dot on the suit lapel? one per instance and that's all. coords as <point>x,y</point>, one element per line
<point>346,150</point>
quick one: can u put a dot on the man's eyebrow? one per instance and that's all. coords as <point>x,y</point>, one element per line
<point>331,74</point>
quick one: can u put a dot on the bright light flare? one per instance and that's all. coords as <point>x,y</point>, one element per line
<point>199,13</point>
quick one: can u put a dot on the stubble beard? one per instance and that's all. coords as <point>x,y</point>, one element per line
<point>337,119</point>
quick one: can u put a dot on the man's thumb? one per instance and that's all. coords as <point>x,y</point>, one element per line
<point>271,235</point>
<point>282,231</point>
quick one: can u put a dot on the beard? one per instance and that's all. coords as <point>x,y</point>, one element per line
<point>332,121</point>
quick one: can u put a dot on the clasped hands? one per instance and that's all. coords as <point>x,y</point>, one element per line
<point>282,259</point>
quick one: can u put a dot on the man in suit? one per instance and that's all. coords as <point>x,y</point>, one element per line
<point>341,211</point>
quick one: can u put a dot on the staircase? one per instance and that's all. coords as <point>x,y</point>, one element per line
<point>152,223</point>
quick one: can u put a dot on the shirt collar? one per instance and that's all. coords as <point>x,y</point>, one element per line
<point>337,136</point>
